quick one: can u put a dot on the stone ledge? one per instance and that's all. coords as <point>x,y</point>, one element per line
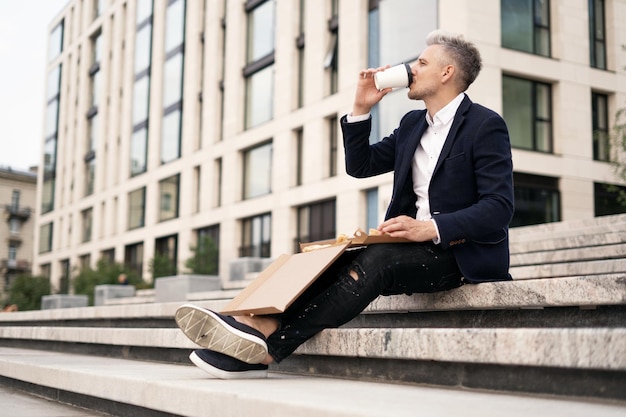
<point>536,293</point>
<point>580,348</point>
<point>570,227</point>
<point>187,391</point>
<point>569,269</point>
<point>571,242</point>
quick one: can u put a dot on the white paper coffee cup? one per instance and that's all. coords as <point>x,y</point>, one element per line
<point>399,76</point>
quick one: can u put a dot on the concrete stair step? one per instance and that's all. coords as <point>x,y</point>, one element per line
<point>126,387</point>
<point>570,242</point>
<point>570,255</point>
<point>571,227</point>
<point>580,348</point>
<point>569,269</point>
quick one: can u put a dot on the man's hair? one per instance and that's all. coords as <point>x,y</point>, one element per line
<point>464,55</point>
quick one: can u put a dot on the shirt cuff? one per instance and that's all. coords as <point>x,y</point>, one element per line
<point>360,118</point>
<point>437,240</point>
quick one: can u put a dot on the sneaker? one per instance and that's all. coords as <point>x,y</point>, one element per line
<point>221,333</point>
<point>226,367</point>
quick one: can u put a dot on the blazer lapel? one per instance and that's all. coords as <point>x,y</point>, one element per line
<point>459,117</point>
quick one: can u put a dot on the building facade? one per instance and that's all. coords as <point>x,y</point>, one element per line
<point>167,121</point>
<point>18,194</point>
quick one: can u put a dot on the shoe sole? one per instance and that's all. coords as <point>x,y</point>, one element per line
<point>208,330</point>
<point>222,374</point>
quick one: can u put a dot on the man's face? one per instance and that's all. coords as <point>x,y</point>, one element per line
<point>427,72</point>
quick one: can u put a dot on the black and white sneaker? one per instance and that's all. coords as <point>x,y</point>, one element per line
<point>226,367</point>
<point>221,333</point>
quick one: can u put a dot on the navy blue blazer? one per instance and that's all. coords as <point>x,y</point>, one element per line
<point>471,190</point>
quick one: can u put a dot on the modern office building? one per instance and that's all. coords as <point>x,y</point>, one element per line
<point>169,120</point>
<point>18,194</point>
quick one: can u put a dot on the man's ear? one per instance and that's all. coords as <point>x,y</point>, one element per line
<point>447,73</point>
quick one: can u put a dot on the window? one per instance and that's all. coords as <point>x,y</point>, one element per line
<point>527,109</point>
<point>298,159</point>
<point>87,224</point>
<point>50,134</point>
<point>45,238</point>
<point>609,199</point>
<point>108,256</point>
<point>168,198</point>
<point>316,222</point>
<point>300,47</point>
<point>92,114</point>
<point>133,258</point>
<point>141,89</point>
<point>331,62</point>
<point>332,146</point>
<point>256,236</point>
<point>259,70</point>
<point>98,8</point>
<point>371,208</point>
<point>55,42</point>
<point>15,200</point>
<point>14,226</point>
<point>600,126</point>
<point>64,285</point>
<point>165,256</point>
<point>217,183</point>
<point>84,262</point>
<point>136,208</point>
<point>537,200</point>
<point>257,171</point>
<point>207,253</point>
<point>12,255</point>
<point>173,81</point>
<point>526,25</point>
<point>597,34</point>
<point>45,270</point>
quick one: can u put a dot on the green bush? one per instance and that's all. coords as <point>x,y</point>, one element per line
<point>106,273</point>
<point>161,266</point>
<point>26,292</point>
<point>204,259</point>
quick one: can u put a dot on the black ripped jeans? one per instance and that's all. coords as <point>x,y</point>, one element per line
<point>336,297</point>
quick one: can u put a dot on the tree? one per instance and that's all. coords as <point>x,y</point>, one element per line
<point>106,273</point>
<point>618,160</point>
<point>26,291</point>
<point>161,266</point>
<point>204,259</point>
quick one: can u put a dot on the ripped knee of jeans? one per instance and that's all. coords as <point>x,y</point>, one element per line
<point>355,271</point>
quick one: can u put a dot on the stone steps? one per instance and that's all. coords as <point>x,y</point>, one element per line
<point>136,388</point>
<point>559,328</point>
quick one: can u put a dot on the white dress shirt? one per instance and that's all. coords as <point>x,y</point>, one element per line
<point>427,154</point>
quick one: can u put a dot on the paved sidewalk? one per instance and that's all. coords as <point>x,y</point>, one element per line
<point>15,403</point>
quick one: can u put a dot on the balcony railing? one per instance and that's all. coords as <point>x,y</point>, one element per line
<point>20,212</point>
<point>14,265</point>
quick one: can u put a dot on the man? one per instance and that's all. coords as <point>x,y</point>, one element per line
<point>452,196</point>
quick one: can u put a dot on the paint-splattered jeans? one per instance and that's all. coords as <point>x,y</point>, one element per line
<point>336,297</point>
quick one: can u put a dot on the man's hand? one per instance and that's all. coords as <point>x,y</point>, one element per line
<point>409,228</point>
<point>367,95</point>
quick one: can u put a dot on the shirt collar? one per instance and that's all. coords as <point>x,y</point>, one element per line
<point>446,114</point>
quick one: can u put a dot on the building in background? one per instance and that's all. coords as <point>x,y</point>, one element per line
<point>172,120</point>
<point>18,194</point>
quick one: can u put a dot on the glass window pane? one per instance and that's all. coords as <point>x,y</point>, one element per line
<point>93,133</point>
<point>542,134</point>
<point>517,111</point>
<point>138,151</point>
<point>97,48</point>
<point>259,97</point>
<point>45,238</point>
<point>175,25</point>
<point>47,198</point>
<point>51,118</point>
<point>170,139</point>
<point>143,47</point>
<point>542,13</point>
<point>517,24</point>
<point>49,157</point>
<point>55,42</point>
<point>136,208</point>
<point>372,208</point>
<point>90,177</point>
<point>257,171</point>
<point>95,88</point>
<point>168,198</point>
<point>542,42</point>
<point>54,81</point>
<point>173,80</point>
<point>261,31</point>
<point>144,10</point>
<point>141,96</point>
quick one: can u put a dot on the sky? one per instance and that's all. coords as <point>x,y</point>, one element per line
<point>23,49</point>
